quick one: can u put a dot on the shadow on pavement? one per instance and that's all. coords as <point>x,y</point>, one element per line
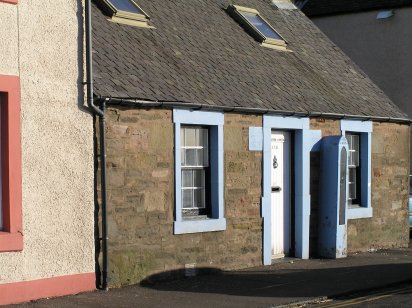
<point>286,283</point>
<point>279,284</point>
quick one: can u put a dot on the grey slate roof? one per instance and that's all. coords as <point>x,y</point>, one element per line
<point>325,7</point>
<point>199,54</point>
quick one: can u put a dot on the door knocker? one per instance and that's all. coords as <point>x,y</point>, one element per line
<point>275,162</point>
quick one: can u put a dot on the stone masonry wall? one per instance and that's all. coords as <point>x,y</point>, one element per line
<point>389,226</point>
<point>140,149</point>
<point>140,160</point>
<point>390,160</point>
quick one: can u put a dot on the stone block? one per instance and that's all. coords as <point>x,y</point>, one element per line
<point>154,201</point>
<point>160,173</point>
<point>115,178</point>
<point>233,139</point>
<point>116,131</point>
<point>115,161</point>
<point>137,142</point>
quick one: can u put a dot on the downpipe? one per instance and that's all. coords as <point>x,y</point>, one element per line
<point>105,238</point>
<point>100,112</point>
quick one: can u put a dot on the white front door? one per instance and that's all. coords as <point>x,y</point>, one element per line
<point>280,164</point>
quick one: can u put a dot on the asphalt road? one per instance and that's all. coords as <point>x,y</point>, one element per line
<point>395,296</point>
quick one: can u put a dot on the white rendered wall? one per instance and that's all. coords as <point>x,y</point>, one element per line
<point>41,44</point>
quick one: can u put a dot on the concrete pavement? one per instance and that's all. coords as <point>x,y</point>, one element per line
<point>285,282</point>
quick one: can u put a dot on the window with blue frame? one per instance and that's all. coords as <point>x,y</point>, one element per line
<point>198,171</point>
<point>359,136</point>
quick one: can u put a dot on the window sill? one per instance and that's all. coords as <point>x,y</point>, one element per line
<point>200,225</point>
<point>275,46</point>
<point>131,22</point>
<point>357,212</point>
<point>11,241</point>
<point>10,1</point>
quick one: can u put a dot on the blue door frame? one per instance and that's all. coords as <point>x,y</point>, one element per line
<point>306,140</point>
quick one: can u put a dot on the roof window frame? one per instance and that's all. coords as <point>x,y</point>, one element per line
<point>236,12</point>
<point>125,17</point>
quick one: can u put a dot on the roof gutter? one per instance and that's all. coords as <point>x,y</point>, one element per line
<point>176,104</point>
<point>100,113</point>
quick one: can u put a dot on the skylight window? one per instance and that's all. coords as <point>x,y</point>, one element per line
<point>384,14</point>
<point>126,12</point>
<point>257,26</point>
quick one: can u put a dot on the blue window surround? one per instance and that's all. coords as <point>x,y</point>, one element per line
<point>306,140</point>
<point>365,129</point>
<point>215,121</point>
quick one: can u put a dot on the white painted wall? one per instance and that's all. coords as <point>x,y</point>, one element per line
<point>381,48</point>
<point>41,43</point>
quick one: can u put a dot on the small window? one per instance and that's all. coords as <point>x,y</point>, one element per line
<point>11,236</point>
<point>359,137</point>
<point>257,26</point>
<point>195,170</point>
<point>199,190</point>
<point>126,12</point>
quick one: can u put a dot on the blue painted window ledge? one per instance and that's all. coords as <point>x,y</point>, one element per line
<point>215,122</point>
<point>359,212</point>
<point>202,225</point>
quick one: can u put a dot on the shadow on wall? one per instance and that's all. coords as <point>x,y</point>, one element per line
<point>274,282</point>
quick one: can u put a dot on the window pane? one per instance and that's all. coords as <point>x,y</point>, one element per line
<point>355,158</point>
<point>350,159</point>
<point>261,25</point>
<point>352,175</point>
<point>187,198</point>
<point>182,136</point>
<point>199,178</point>
<point>199,198</point>
<point>202,137</point>
<point>352,183</point>
<point>182,157</point>
<point>187,178</point>
<point>353,144</point>
<point>126,5</point>
<point>352,191</point>
<point>206,157</point>
<point>353,141</point>
<point>199,157</point>
<point>191,157</point>
<point>190,137</point>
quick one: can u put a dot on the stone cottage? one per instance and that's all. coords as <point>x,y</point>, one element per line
<point>234,132</point>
